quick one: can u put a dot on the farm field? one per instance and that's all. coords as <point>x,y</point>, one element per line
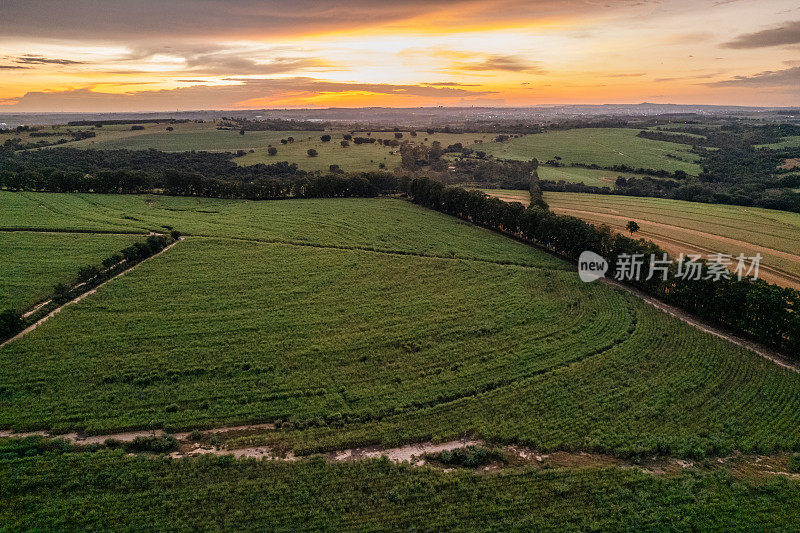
<point>381,224</point>
<point>31,263</point>
<point>354,347</point>
<point>692,227</point>
<point>587,176</point>
<point>600,146</point>
<point>109,491</point>
<point>787,142</point>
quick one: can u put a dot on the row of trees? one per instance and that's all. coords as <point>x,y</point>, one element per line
<point>765,312</point>
<point>90,276</point>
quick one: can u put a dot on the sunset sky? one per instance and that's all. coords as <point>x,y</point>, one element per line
<point>154,55</point>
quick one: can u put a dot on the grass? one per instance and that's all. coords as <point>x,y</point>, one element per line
<point>600,146</point>
<point>356,347</point>
<point>692,227</point>
<point>787,142</point>
<point>109,491</point>
<point>205,136</point>
<point>31,263</point>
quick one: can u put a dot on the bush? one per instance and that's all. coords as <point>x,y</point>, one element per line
<point>165,443</point>
<point>469,456</point>
<point>10,323</point>
<point>312,153</point>
<point>272,150</point>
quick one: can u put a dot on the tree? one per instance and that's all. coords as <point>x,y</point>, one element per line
<point>10,323</point>
<point>325,138</point>
<point>632,226</point>
<point>398,135</point>
<point>272,150</point>
<point>312,153</point>
<point>170,128</point>
<point>345,144</point>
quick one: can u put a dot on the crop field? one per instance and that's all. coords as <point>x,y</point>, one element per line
<point>31,263</point>
<point>692,227</point>
<point>380,224</point>
<point>587,176</point>
<point>355,346</point>
<point>109,491</point>
<point>788,142</point>
<point>600,146</point>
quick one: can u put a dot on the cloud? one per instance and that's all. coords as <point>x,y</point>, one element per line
<point>789,77</point>
<point>9,67</point>
<point>39,60</point>
<point>788,33</point>
<point>252,93</point>
<point>509,63</point>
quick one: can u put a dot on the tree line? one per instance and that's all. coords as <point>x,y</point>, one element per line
<point>89,276</point>
<point>765,312</point>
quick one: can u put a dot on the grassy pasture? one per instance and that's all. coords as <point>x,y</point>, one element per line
<point>108,491</point>
<point>601,146</point>
<point>693,227</point>
<point>31,263</point>
<point>365,347</point>
<point>205,136</point>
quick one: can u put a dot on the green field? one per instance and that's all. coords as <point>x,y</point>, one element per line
<point>600,146</point>
<point>788,142</point>
<point>108,491</point>
<point>587,176</point>
<point>359,347</point>
<point>694,227</point>
<point>31,263</point>
<point>206,136</point>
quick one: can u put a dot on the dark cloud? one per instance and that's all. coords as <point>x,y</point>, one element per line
<point>254,93</point>
<point>789,78</point>
<point>788,33</point>
<point>234,64</point>
<point>39,60</point>
<point>143,20</point>
<point>9,67</point>
<point>508,63</point>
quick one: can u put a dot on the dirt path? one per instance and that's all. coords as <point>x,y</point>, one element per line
<point>81,297</point>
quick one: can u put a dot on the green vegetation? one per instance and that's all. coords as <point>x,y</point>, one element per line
<point>589,176</point>
<point>354,222</point>
<point>109,491</point>
<point>349,346</point>
<point>31,263</point>
<point>693,227</point>
<point>600,146</point>
<point>787,142</point>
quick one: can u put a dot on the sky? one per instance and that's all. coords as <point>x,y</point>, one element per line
<point>165,55</point>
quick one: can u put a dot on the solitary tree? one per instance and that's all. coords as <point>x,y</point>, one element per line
<point>312,153</point>
<point>325,138</point>
<point>632,226</point>
<point>241,131</point>
<point>345,144</point>
<point>272,150</point>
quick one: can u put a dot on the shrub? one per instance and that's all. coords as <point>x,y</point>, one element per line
<point>10,323</point>
<point>469,456</point>
<point>164,443</point>
<point>312,153</point>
